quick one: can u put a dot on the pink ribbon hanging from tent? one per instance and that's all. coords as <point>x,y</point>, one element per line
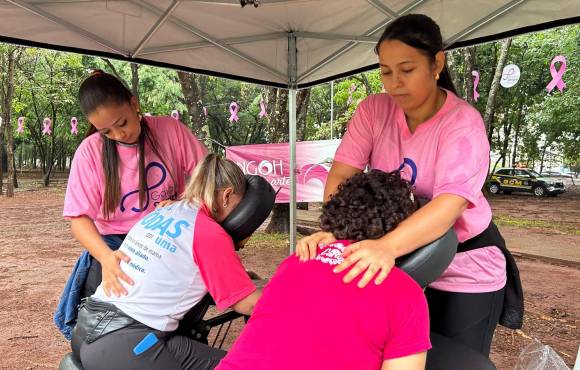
<point>175,114</point>
<point>46,123</point>
<point>205,111</point>
<point>20,128</point>
<point>475,83</point>
<point>234,111</point>
<point>351,90</point>
<point>73,125</point>
<point>262,109</point>
<point>557,75</point>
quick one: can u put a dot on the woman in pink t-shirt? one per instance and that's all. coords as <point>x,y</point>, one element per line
<point>439,143</point>
<point>382,327</point>
<point>127,164</point>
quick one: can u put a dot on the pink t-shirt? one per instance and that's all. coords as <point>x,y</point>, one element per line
<point>447,154</point>
<point>178,254</point>
<point>85,191</point>
<point>307,318</point>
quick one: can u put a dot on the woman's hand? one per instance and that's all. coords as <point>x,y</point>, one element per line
<point>370,257</point>
<point>306,247</point>
<point>112,273</point>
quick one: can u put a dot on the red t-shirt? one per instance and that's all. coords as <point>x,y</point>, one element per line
<point>307,318</point>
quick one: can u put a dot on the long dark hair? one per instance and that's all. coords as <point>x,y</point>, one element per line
<point>102,89</point>
<point>422,33</point>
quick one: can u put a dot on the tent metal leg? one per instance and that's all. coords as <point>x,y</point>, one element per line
<point>292,134</point>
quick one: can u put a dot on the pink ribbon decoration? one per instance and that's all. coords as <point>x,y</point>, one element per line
<point>557,75</point>
<point>175,114</point>
<point>20,128</point>
<point>351,89</point>
<point>234,111</point>
<point>475,83</point>
<point>205,111</point>
<point>73,125</point>
<point>46,123</point>
<point>262,109</point>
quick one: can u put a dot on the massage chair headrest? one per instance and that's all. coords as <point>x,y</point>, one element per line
<point>426,264</point>
<point>253,209</point>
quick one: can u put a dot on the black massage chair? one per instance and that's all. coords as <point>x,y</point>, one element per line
<point>424,265</point>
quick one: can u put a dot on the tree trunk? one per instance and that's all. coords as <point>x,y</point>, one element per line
<point>302,100</point>
<point>517,133</point>
<point>279,121</point>
<point>453,67</point>
<point>7,107</point>
<point>135,79</point>
<point>469,58</point>
<point>2,130</point>
<point>491,99</point>
<point>192,96</point>
<point>542,159</point>
<point>279,222</point>
<point>507,128</point>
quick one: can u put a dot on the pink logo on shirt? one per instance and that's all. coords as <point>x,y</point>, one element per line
<point>332,254</point>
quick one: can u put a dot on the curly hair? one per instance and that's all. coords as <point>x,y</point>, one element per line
<point>367,206</point>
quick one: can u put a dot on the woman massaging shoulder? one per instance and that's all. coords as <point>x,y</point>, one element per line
<point>439,144</point>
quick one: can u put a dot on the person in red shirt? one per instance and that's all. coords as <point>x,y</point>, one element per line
<point>379,327</point>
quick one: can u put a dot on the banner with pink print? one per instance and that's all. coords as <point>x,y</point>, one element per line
<point>272,161</point>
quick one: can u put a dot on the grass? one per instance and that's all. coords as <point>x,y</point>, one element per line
<point>525,223</point>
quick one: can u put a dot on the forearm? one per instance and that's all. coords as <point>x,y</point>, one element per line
<point>246,305</point>
<point>339,173</point>
<point>425,225</point>
<point>85,231</point>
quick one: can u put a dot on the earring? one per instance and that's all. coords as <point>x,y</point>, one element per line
<point>437,76</point>
<point>225,205</point>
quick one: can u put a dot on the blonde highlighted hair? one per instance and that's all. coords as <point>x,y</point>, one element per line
<point>212,174</point>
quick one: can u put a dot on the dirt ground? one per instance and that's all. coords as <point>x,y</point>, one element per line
<point>37,253</point>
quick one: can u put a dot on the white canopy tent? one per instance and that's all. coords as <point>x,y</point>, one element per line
<point>284,43</point>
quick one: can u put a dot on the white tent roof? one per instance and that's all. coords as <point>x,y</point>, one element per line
<point>333,38</point>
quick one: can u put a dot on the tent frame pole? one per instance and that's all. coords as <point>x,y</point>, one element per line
<point>379,27</point>
<point>153,9</point>
<point>292,92</point>
<point>69,26</point>
<point>483,21</point>
<point>162,19</point>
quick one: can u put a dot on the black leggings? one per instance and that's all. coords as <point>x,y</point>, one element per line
<point>469,318</point>
<point>116,351</point>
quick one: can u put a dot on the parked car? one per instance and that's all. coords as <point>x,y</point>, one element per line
<point>508,180</point>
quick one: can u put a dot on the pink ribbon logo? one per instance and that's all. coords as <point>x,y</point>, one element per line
<point>263,109</point>
<point>73,126</point>
<point>175,114</point>
<point>20,128</point>
<point>475,83</point>
<point>205,111</point>
<point>234,111</point>
<point>557,75</point>
<point>46,123</point>
<point>351,90</point>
